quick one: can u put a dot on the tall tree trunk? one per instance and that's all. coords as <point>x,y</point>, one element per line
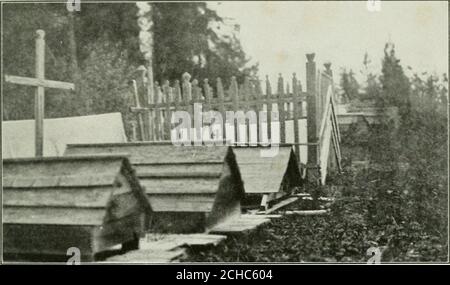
<point>74,68</point>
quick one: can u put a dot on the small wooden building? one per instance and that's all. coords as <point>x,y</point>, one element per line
<point>268,177</point>
<point>190,188</point>
<point>51,204</point>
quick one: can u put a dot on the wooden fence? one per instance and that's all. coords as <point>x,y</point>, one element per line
<point>289,102</point>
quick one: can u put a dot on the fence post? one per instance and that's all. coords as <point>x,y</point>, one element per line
<point>221,98</point>
<point>281,111</point>
<point>197,115</point>
<point>245,92</point>
<point>258,108</point>
<point>187,91</point>
<point>158,113</point>
<point>234,92</point>
<point>311,109</point>
<point>208,95</point>
<point>167,91</point>
<point>332,152</point>
<point>295,94</point>
<point>269,108</point>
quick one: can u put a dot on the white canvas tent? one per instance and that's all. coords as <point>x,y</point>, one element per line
<point>18,136</point>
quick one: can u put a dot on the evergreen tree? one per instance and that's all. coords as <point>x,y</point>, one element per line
<point>394,83</point>
<point>349,85</point>
<point>186,39</point>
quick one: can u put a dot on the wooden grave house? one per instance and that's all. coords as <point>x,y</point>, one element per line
<point>52,204</point>
<point>267,175</point>
<point>190,188</point>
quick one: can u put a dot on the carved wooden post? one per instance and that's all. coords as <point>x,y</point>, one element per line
<point>332,159</point>
<point>140,120</point>
<point>234,92</point>
<point>295,97</point>
<point>220,98</point>
<point>281,111</point>
<point>167,91</point>
<point>311,109</point>
<point>187,97</point>
<point>39,97</point>
<point>269,108</point>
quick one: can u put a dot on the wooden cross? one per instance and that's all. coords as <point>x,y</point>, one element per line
<point>40,82</point>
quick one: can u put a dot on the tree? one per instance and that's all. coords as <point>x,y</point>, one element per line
<point>394,83</point>
<point>349,85</point>
<point>186,37</point>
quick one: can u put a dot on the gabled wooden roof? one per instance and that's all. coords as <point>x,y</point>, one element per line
<point>266,174</point>
<point>193,173</point>
<point>154,152</point>
<point>62,190</point>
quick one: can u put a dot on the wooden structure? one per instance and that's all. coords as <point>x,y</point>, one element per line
<point>190,188</point>
<point>54,203</point>
<point>268,178</point>
<point>41,83</point>
<point>288,106</point>
<point>17,136</point>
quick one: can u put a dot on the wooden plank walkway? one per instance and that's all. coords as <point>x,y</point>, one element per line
<point>254,216</point>
<point>148,256</point>
<point>192,240</point>
<point>165,248</point>
<point>279,205</point>
<point>239,226</point>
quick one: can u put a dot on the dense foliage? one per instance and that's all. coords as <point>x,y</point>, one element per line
<point>98,49</point>
<point>399,202</point>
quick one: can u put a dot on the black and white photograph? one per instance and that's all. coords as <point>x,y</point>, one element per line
<point>224,132</point>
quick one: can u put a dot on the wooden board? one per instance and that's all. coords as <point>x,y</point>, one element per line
<point>45,239</point>
<point>279,205</point>
<point>178,186</point>
<point>148,256</point>
<point>262,175</point>
<point>170,241</point>
<point>154,152</point>
<point>181,203</point>
<point>192,167</point>
<point>237,226</point>
<point>253,216</point>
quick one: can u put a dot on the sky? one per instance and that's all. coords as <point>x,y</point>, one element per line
<point>279,34</point>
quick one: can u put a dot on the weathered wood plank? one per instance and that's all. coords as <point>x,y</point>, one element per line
<point>269,108</point>
<point>36,82</point>
<point>167,91</point>
<point>45,239</point>
<point>147,256</point>
<point>70,197</point>
<point>178,168</point>
<point>311,108</point>
<point>295,91</point>
<point>181,203</point>
<point>280,205</point>
<point>221,98</point>
<point>181,175</point>
<point>171,241</point>
<point>238,226</point>
<point>178,186</point>
<point>281,111</point>
<point>234,93</point>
